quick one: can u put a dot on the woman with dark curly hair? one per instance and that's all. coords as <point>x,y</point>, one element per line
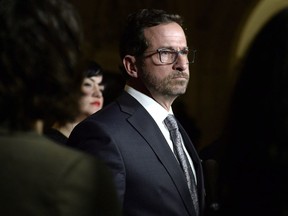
<point>91,101</point>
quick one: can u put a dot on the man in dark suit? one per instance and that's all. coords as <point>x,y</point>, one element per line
<point>131,135</point>
<point>39,48</point>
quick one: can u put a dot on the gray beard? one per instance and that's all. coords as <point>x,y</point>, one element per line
<point>167,86</point>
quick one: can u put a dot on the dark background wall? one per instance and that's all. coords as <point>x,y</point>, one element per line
<point>213,27</point>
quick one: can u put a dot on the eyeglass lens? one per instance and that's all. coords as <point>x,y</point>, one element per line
<point>170,56</point>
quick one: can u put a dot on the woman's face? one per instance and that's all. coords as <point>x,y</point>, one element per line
<point>92,98</point>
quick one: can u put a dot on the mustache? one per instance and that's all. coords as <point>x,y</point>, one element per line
<point>180,74</point>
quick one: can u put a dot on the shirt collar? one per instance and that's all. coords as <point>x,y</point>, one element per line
<point>157,112</point>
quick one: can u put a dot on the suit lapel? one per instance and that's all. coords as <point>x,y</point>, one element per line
<point>141,120</point>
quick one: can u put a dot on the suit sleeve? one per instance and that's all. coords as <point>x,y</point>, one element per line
<point>95,139</point>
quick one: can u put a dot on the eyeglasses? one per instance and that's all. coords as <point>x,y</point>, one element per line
<point>169,56</point>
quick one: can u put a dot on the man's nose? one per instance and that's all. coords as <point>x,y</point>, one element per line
<point>181,63</point>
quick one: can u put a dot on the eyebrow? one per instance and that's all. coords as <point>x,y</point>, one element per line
<point>172,48</point>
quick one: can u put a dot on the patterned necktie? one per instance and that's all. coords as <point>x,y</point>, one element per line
<point>172,126</point>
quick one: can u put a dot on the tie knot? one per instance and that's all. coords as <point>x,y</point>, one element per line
<point>170,122</point>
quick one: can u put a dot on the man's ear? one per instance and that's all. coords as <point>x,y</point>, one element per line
<point>129,63</point>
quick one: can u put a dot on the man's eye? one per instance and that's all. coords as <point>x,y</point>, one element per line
<point>166,52</point>
<point>185,52</point>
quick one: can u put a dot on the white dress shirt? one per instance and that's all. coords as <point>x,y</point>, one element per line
<point>158,113</point>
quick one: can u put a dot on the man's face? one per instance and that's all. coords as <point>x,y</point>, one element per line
<point>166,79</point>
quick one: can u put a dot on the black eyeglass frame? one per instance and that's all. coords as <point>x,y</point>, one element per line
<point>182,52</point>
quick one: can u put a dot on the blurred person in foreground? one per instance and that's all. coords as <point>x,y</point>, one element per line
<point>91,101</point>
<point>39,48</point>
<point>132,133</point>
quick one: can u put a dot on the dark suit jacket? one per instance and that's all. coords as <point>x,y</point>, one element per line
<point>55,135</point>
<point>40,178</point>
<point>149,180</point>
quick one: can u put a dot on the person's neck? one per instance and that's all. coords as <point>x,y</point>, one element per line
<point>38,126</point>
<point>164,100</point>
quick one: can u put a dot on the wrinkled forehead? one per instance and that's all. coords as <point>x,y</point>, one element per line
<point>165,35</point>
